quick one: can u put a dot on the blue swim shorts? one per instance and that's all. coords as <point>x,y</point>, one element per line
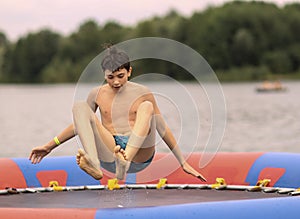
<point>134,167</point>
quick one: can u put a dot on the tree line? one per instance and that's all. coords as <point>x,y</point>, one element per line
<point>240,40</point>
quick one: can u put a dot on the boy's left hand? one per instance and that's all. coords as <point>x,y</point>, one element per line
<point>190,170</point>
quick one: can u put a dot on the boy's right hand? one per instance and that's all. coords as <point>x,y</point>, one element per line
<point>38,153</point>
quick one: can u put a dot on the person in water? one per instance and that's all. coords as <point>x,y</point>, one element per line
<point>124,140</point>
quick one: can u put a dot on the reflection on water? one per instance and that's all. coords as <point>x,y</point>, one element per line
<point>30,115</point>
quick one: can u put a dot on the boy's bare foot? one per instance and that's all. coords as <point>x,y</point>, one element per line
<point>86,165</point>
<point>122,165</point>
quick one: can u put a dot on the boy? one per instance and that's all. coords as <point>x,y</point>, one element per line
<point>124,140</point>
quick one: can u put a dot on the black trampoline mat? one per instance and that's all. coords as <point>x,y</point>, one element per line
<point>125,198</point>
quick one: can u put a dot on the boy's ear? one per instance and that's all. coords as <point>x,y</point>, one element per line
<point>129,72</point>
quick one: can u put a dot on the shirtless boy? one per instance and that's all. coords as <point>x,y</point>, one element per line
<point>124,140</point>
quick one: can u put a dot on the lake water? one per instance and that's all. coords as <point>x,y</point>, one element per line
<point>31,115</point>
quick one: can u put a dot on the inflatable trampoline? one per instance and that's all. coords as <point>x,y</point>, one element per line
<point>240,185</point>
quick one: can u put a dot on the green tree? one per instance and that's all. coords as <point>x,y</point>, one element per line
<point>291,20</point>
<point>294,56</point>
<point>30,55</point>
<point>3,47</point>
<point>112,32</point>
<point>246,40</point>
<point>278,62</point>
<point>85,42</point>
<point>243,52</point>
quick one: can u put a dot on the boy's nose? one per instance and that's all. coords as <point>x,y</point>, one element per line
<point>116,82</point>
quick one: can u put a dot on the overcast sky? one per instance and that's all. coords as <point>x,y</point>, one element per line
<point>18,17</point>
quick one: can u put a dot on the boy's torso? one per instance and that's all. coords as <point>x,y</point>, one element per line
<point>118,109</point>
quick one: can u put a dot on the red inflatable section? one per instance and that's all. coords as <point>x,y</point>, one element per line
<point>274,174</point>
<point>47,213</point>
<point>11,174</point>
<point>52,175</point>
<point>233,167</point>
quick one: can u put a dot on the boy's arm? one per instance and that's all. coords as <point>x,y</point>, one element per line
<point>65,135</point>
<point>38,153</point>
<point>168,137</point>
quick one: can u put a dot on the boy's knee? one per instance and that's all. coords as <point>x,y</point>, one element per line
<point>79,106</point>
<point>146,107</point>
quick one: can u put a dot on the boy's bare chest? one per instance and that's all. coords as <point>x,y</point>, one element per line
<point>118,106</point>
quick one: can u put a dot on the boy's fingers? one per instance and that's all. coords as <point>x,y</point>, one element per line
<point>35,159</point>
<point>202,178</point>
<point>30,156</point>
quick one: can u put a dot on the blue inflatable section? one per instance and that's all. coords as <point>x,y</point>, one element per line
<point>75,175</point>
<point>288,161</point>
<point>275,208</point>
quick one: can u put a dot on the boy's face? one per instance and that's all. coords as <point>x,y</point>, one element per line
<point>117,79</point>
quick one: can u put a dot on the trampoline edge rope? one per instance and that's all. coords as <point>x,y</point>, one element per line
<point>159,201</point>
<point>54,187</point>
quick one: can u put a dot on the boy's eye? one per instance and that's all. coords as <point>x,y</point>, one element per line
<point>110,76</point>
<point>120,75</point>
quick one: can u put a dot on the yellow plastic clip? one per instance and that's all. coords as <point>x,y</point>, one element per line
<point>263,182</point>
<point>260,184</point>
<point>55,186</point>
<point>220,183</point>
<point>113,184</point>
<point>162,182</point>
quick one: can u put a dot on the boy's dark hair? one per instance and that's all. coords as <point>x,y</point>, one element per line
<point>115,59</point>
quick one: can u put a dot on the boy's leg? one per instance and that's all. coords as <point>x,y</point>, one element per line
<point>96,140</point>
<point>139,133</point>
<point>140,130</point>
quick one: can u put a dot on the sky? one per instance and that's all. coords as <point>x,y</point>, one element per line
<point>18,17</point>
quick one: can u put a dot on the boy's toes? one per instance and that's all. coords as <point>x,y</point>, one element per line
<point>81,152</point>
<point>122,151</point>
<point>77,158</point>
<point>124,154</point>
<point>117,149</point>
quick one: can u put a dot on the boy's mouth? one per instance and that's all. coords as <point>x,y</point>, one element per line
<point>118,86</point>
